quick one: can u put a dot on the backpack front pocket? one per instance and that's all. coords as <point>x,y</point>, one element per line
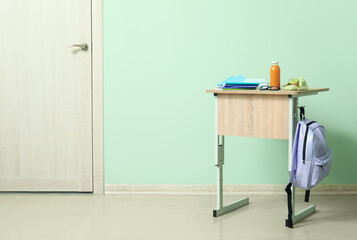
<point>321,168</point>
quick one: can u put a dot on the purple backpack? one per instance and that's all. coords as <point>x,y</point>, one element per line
<point>311,159</point>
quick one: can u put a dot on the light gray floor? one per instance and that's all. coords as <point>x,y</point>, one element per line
<point>125,217</point>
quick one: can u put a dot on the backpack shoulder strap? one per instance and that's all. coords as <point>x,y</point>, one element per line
<point>307,195</point>
<point>289,221</point>
<point>307,192</point>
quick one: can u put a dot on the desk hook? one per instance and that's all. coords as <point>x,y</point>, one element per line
<point>302,112</point>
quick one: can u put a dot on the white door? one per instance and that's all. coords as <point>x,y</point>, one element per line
<point>45,96</point>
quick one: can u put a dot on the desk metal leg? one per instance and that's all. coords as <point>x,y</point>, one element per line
<point>293,118</point>
<point>219,163</point>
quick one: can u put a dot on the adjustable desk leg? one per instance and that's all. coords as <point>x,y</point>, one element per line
<point>219,163</point>
<point>293,118</point>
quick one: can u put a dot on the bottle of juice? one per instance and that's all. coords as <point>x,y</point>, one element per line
<point>275,75</point>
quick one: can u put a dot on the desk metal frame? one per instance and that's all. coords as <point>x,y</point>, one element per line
<point>219,161</point>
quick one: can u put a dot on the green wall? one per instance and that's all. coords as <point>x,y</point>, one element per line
<point>160,56</point>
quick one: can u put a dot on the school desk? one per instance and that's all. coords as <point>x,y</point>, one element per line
<point>256,113</point>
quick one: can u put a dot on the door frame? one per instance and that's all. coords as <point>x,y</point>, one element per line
<point>97,97</point>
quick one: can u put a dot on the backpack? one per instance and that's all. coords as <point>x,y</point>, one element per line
<point>311,158</point>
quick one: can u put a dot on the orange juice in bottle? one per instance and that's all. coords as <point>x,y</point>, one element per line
<point>275,75</point>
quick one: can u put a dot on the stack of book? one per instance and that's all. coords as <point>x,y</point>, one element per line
<point>240,83</point>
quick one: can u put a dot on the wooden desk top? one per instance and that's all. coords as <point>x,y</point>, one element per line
<point>310,91</point>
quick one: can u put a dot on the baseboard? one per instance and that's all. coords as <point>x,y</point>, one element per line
<point>229,189</point>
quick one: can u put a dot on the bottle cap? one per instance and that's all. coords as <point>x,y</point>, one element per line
<point>275,62</point>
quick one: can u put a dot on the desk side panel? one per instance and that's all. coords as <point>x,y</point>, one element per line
<point>265,116</point>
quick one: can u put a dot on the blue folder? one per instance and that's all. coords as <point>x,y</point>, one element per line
<point>238,80</point>
<point>239,86</point>
<point>233,80</point>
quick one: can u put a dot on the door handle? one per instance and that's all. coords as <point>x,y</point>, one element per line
<point>83,46</point>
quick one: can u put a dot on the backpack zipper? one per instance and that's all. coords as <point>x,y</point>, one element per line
<point>305,140</point>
